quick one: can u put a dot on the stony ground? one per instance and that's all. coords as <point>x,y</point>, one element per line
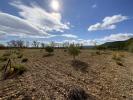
<point>51,77</point>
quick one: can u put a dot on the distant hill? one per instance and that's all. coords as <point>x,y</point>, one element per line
<point>119,45</point>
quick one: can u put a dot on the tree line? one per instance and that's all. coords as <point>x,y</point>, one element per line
<point>37,44</point>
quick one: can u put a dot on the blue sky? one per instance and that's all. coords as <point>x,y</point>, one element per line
<point>79,21</point>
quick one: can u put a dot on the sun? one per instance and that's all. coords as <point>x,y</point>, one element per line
<point>55,5</point>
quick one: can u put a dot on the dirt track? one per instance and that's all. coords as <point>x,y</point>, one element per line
<point>50,78</point>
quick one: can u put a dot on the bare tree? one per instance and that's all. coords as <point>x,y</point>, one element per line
<point>12,43</point>
<point>27,44</point>
<point>43,45</point>
<point>36,44</point>
<point>52,44</point>
<point>20,43</point>
<point>16,43</point>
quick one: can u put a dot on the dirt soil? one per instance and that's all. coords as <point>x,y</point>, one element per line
<point>51,77</point>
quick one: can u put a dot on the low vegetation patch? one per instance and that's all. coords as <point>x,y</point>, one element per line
<point>1,66</point>
<point>3,58</point>
<point>117,57</point>
<point>119,63</point>
<point>14,71</point>
<point>74,51</point>
<point>20,69</point>
<point>49,49</point>
<point>65,50</point>
<point>7,54</point>
<point>77,94</point>
<point>79,65</point>
<point>98,52</point>
<point>20,56</point>
<point>24,60</point>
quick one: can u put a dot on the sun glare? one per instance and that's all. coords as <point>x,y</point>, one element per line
<point>55,5</point>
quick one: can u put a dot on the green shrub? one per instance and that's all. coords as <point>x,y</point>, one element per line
<point>24,60</point>
<point>20,69</point>
<point>49,49</point>
<point>4,58</point>
<point>74,51</point>
<point>20,55</point>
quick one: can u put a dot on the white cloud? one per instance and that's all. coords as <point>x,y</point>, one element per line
<point>40,18</point>
<point>34,21</point>
<point>82,41</point>
<point>10,24</point>
<point>69,35</point>
<point>108,23</point>
<point>98,41</point>
<point>117,37</point>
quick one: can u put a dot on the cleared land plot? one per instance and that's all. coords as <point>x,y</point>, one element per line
<point>51,77</point>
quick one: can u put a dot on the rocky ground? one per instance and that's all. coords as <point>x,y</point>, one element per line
<point>51,77</point>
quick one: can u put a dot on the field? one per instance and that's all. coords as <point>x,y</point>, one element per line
<point>51,77</point>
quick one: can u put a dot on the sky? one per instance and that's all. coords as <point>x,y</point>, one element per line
<point>88,22</point>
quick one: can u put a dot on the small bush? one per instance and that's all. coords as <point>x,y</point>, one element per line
<point>24,60</point>
<point>119,63</point>
<point>117,57</point>
<point>74,51</point>
<point>20,69</point>
<point>4,58</point>
<point>20,55</point>
<point>65,50</point>
<point>98,52</point>
<point>49,49</point>
<point>77,94</point>
<point>14,71</point>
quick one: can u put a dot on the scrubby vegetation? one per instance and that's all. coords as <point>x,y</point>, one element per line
<point>20,69</point>
<point>49,49</point>
<point>15,70</point>
<point>20,55</point>
<point>24,60</point>
<point>3,58</point>
<point>77,94</point>
<point>99,72</point>
<point>117,57</point>
<point>73,50</point>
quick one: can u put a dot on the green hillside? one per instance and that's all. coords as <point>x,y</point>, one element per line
<point>119,45</point>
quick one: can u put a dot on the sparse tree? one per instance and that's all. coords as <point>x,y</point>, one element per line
<point>52,44</point>
<point>16,43</point>
<point>12,43</point>
<point>20,43</point>
<point>2,46</point>
<point>36,44</point>
<point>43,45</point>
<point>73,50</point>
<point>27,44</point>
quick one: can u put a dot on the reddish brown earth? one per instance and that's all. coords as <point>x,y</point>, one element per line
<point>50,78</point>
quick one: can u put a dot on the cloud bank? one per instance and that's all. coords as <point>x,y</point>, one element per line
<point>32,20</point>
<point>117,37</point>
